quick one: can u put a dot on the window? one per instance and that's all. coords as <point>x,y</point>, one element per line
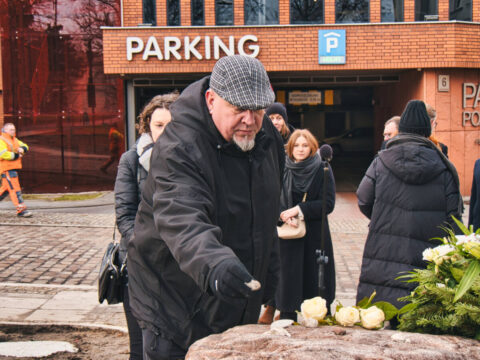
<point>224,12</point>
<point>426,10</point>
<point>148,7</point>
<point>392,10</point>
<point>261,12</point>
<point>306,11</point>
<point>352,11</point>
<point>197,12</point>
<point>461,10</point>
<point>173,12</point>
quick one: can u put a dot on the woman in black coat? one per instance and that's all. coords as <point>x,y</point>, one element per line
<point>304,174</point>
<point>132,171</point>
<point>409,191</point>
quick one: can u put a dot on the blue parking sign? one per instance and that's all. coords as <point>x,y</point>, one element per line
<point>331,47</point>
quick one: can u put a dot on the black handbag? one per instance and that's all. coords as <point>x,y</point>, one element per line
<point>111,275</point>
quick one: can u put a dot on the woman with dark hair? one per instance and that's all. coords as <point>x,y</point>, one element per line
<point>278,114</point>
<point>302,198</point>
<point>132,171</point>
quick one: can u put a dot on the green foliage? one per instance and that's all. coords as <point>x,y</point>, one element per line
<point>447,297</point>
<point>388,309</point>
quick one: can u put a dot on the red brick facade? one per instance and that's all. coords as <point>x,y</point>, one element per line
<point>417,51</point>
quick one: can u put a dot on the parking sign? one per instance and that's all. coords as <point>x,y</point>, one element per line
<point>331,47</point>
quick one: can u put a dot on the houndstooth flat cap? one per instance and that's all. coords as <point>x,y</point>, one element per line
<point>243,82</point>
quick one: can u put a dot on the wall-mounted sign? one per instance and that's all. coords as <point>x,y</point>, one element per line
<point>331,47</point>
<point>444,83</point>
<point>200,47</point>
<point>471,99</point>
<point>304,97</point>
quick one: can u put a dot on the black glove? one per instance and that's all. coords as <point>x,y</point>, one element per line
<point>227,281</point>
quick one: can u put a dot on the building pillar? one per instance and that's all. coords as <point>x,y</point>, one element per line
<point>443,13</point>
<point>132,13</point>
<point>238,12</point>
<point>284,12</point>
<point>161,12</point>
<point>209,12</point>
<point>185,13</point>
<point>409,10</point>
<point>329,15</point>
<point>476,10</point>
<point>375,11</point>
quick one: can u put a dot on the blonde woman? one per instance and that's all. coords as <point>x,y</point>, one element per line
<point>304,176</point>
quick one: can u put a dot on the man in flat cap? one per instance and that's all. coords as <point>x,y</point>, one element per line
<point>204,256</point>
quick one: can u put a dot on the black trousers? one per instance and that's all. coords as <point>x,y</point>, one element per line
<point>134,331</point>
<point>155,347</point>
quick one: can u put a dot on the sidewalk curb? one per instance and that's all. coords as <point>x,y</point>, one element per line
<point>71,324</point>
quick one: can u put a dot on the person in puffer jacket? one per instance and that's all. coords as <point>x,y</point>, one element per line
<point>132,172</point>
<point>409,192</point>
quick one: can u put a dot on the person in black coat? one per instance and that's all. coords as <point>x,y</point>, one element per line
<point>408,192</point>
<point>304,176</point>
<point>132,171</point>
<point>206,224</point>
<point>474,213</point>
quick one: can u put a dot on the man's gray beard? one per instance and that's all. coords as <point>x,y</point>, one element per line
<point>244,143</point>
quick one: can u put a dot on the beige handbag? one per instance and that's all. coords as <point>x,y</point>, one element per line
<point>287,232</point>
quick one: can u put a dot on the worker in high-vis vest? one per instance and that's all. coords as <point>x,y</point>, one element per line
<point>11,153</point>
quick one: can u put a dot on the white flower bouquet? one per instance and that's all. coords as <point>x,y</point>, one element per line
<point>366,314</point>
<point>447,297</point>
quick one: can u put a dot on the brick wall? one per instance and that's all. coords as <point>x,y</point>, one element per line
<point>132,11</point>
<point>295,48</point>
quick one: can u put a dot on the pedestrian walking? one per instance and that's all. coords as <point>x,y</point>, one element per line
<point>115,139</point>
<point>12,151</point>
<point>203,257</point>
<point>132,172</point>
<point>409,191</point>
<point>302,197</point>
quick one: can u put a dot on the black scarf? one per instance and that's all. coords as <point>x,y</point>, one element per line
<point>299,176</point>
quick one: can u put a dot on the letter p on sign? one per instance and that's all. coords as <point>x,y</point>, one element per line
<point>332,43</point>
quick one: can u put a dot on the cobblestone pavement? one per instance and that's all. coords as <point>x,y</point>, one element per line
<point>49,263</point>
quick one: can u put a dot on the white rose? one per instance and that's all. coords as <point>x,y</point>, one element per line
<point>429,254</point>
<point>347,316</point>
<point>372,318</point>
<point>315,308</point>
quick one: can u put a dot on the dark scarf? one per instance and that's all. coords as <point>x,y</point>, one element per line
<point>403,138</point>
<point>299,176</point>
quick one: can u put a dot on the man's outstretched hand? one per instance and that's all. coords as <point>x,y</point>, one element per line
<point>230,281</point>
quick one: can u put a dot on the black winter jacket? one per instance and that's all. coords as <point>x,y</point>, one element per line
<point>204,201</point>
<point>298,259</point>
<point>408,192</point>
<point>128,187</point>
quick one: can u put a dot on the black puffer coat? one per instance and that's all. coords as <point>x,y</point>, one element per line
<point>408,191</point>
<point>204,201</point>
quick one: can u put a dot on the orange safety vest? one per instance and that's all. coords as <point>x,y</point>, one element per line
<point>12,145</point>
